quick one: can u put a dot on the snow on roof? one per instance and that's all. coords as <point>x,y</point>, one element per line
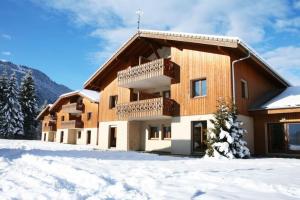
<point>194,36</point>
<point>93,95</point>
<point>289,98</point>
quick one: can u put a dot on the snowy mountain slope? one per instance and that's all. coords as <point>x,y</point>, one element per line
<point>38,170</point>
<point>47,90</point>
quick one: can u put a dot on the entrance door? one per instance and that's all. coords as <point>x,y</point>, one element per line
<point>88,137</point>
<point>199,136</point>
<point>276,135</point>
<point>113,137</point>
<point>61,137</point>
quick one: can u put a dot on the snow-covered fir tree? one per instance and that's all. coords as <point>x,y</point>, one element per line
<point>226,138</point>
<point>238,146</point>
<point>12,116</point>
<point>28,102</point>
<point>3,95</point>
<point>219,138</point>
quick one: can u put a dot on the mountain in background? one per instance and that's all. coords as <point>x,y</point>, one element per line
<point>47,90</point>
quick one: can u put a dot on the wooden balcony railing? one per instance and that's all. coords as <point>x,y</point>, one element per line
<point>156,68</point>
<point>71,124</point>
<point>49,128</point>
<point>72,108</point>
<point>149,108</point>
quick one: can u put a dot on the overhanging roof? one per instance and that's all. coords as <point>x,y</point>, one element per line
<point>223,41</point>
<point>93,96</point>
<point>42,113</point>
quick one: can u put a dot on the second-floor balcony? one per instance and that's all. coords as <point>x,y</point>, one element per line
<point>50,127</point>
<point>156,108</point>
<point>71,124</point>
<point>72,108</point>
<point>152,74</point>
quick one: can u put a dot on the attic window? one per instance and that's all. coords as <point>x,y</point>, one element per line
<point>244,87</point>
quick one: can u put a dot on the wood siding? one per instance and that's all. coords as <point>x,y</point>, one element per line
<point>88,106</point>
<point>259,84</point>
<point>204,63</point>
<point>260,127</point>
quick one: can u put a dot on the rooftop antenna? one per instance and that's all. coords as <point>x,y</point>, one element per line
<point>139,12</point>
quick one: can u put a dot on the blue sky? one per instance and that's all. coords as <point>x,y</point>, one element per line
<point>69,40</point>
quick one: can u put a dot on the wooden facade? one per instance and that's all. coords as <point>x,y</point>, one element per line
<point>155,57</point>
<point>75,115</point>
<point>264,117</point>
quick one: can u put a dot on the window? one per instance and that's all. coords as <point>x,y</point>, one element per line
<point>167,94</point>
<point>244,86</point>
<point>113,101</point>
<point>154,132</point>
<point>166,132</point>
<point>79,134</point>
<point>45,124</point>
<point>62,118</point>
<point>45,136</point>
<point>89,116</point>
<point>199,88</point>
<point>294,136</point>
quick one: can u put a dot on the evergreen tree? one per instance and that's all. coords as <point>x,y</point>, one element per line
<point>28,102</point>
<point>3,100</point>
<point>226,138</point>
<point>12,117</point>
<point>219,138</point>
<point>238,146</point>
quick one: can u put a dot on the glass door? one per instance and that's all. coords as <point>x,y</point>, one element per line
<point>199,136</point>
<point>276,135</point>
<point>293,136</point>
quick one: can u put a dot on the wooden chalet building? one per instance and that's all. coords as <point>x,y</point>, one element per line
<point>160,89</point>
<point>72,119</point>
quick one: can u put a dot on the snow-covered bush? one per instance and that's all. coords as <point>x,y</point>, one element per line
<point>225,139</point>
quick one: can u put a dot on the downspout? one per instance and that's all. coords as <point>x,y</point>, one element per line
<point>97,143</point>
<point>232,75</point>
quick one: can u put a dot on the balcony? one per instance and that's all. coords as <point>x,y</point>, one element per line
<point>157,108</point>
<point>72,108</point>
<point>71,124</point>
<point>49,128</point>
<point>153,74</point>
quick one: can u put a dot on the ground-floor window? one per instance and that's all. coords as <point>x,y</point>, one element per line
<point>154,132</point>
<point>79,134</point>
<point>283,137</point>
<point>45,136</point>
<point>294,136</point>
<point>166,130</point>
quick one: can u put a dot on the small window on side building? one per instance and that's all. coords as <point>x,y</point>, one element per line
<point>244,87</point>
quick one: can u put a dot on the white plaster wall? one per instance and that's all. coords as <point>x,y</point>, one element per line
<point>182,133</point>
<point>156,144</point>
<point>83,139</point>
<point>248,124</point>
<point>69,136</point>
<point>122,134</point>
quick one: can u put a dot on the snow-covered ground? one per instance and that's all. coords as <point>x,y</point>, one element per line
<point>38,170</point>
